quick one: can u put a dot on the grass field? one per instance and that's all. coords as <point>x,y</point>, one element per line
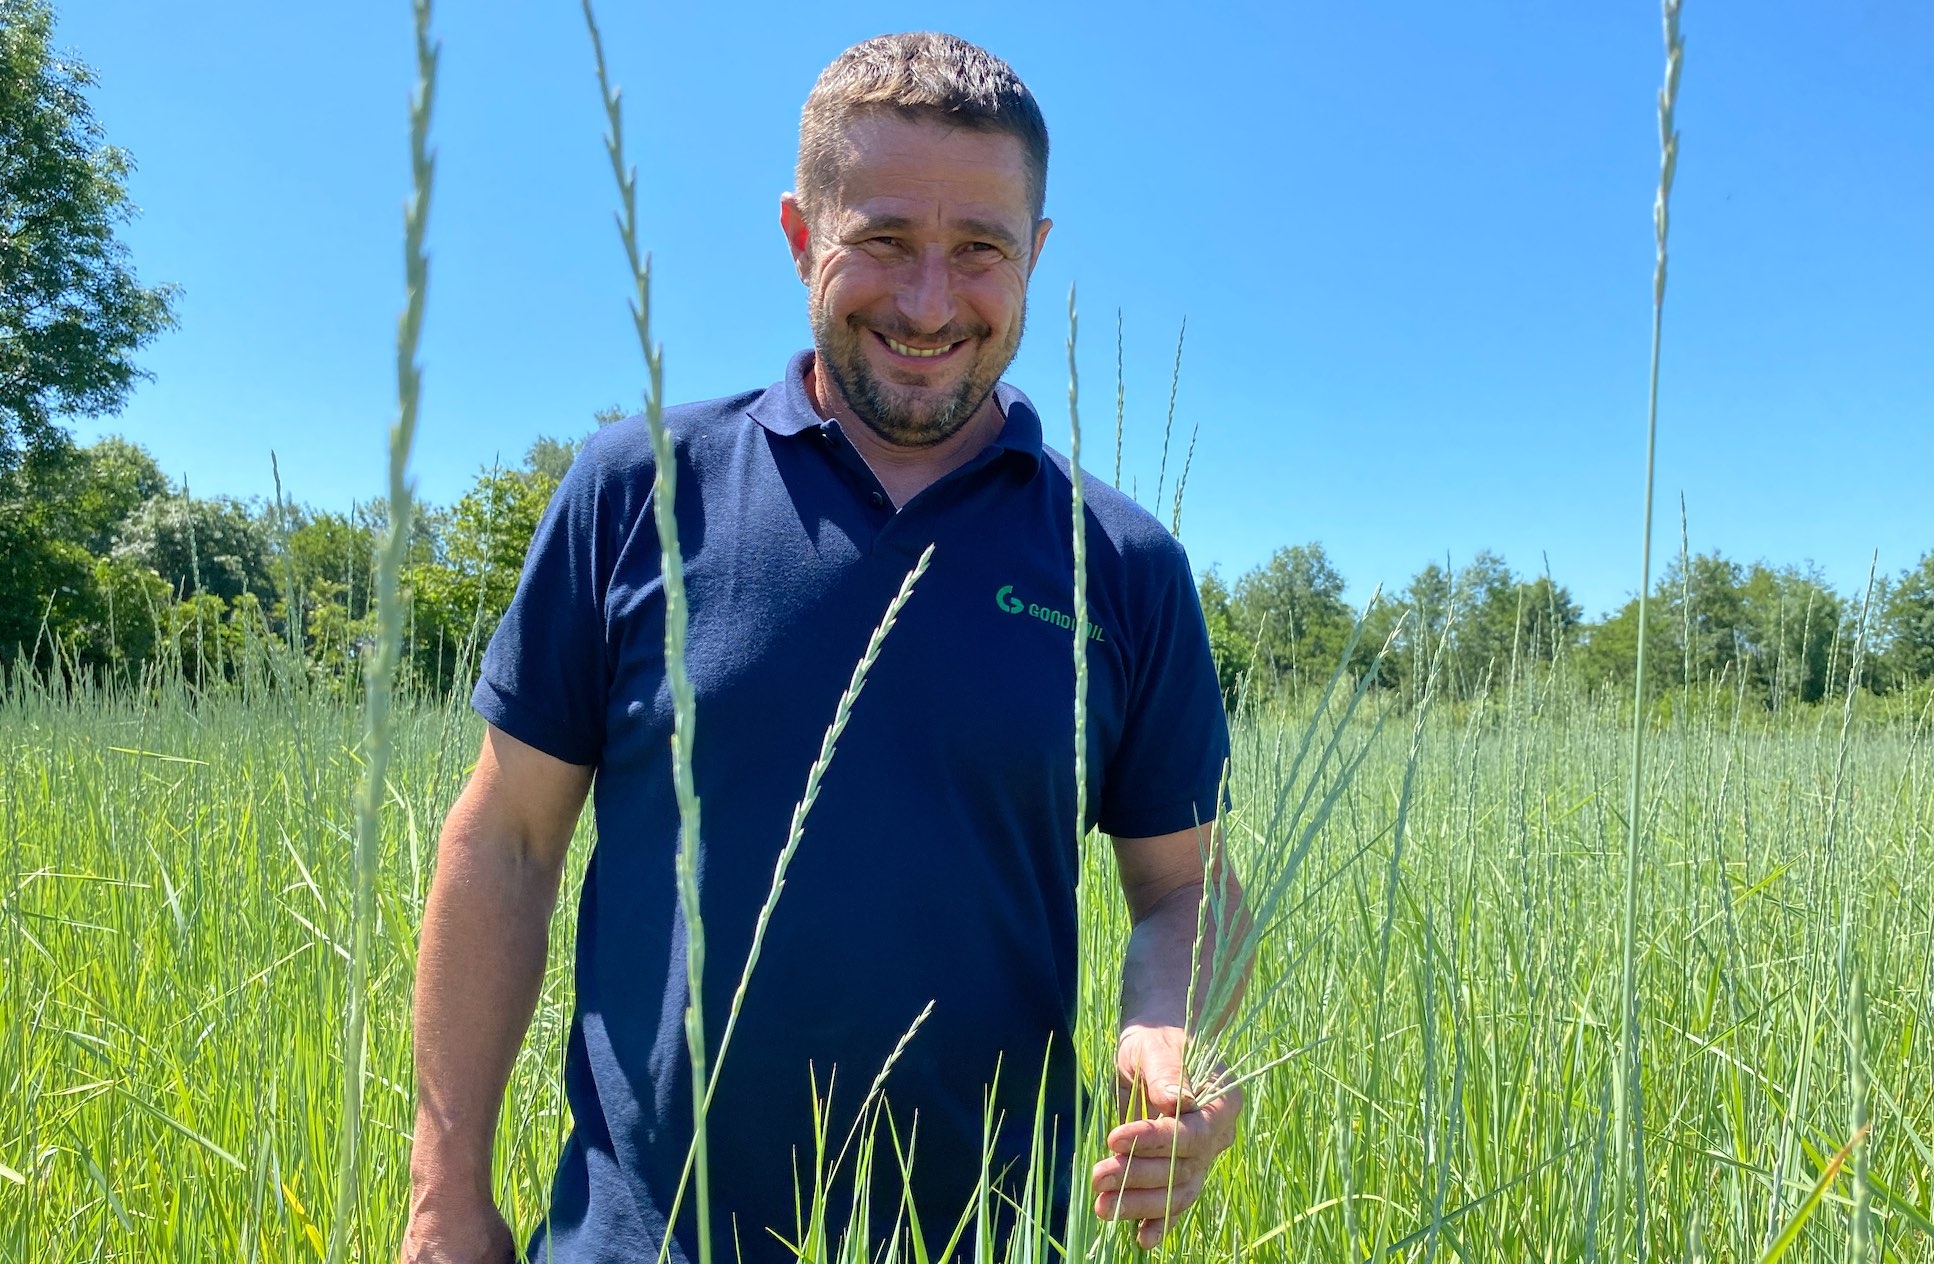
<point>1446,989</point>
<point>177,872</point>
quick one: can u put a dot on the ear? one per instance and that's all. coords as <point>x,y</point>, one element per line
<point>792,221</point>
<point>1040,241</point>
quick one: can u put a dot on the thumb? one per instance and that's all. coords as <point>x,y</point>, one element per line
<point>1163,1082</point>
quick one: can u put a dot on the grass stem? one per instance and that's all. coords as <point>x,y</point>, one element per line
<point>677,617</point>
<point>379,674</point>
<point>1627,1087</point>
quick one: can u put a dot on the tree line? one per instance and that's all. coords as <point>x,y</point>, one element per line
<point>109,569</point>
<point>1776,634</point>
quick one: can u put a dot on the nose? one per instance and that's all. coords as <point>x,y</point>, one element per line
<point>926,296</point>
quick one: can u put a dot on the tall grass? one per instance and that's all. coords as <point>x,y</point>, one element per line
<point>664,483</point>
<point>1629,1088</point>
<point>380,675</point>
<point>177,919</point>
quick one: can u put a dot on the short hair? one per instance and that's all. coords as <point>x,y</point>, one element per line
<point>922,75</point>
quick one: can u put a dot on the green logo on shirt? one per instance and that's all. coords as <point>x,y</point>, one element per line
<point>1008,602</point>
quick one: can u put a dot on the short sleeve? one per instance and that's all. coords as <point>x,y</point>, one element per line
<point>544,676</point>
<point>1166,772</point>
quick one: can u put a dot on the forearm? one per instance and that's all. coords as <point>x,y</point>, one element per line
<point>1165,972</point>
<point>480,967</point>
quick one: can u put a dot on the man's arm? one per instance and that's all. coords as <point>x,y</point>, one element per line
<point>480,966</point>
<point>1156,1165</point>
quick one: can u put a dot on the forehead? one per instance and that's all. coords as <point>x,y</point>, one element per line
<point>915,168</point>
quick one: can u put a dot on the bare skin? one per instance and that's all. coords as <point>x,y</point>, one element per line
<point>1158,1162</point>
<point>928,243</point>
<point>480,965</point>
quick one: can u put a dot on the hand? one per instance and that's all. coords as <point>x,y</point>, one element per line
<point>1159,1159</point>
<point>478,1235</point>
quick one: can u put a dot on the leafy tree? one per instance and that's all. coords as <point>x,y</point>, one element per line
<point>332,557</point>
<point>552,456</point>
<point>110,480</point>
<point>1226,642</point>
<point>1291,610</point>
<point>458,594</point>
<point>1709,629</point>
<point>61,509</point>
<point>1906,629</point>
<point>71,310</point>
<point>214,546</point>
<point>1791,624</point>
<point>1510,623</point>
<point>1490,622</point>
<point>1772,633</point>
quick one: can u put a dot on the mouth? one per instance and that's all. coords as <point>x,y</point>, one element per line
<point>927,355</point>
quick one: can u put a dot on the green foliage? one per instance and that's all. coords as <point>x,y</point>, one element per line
<point>1776,635</point>
<point>1772,635</point>
<point>1906,632</point>
<point>182,883</point>
<point>200,546</point>
<point>458,594</point>
<point>72,313</point>
<point>1291,615</point>
<point>1286,619</point>
<point>1232,650</point>
<point>104,566</point>
<point>61,509</point>
<point>1491,623</point>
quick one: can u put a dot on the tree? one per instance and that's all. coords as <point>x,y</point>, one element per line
<point>1226,642</point>
<point>1907,628</point>
<point>61,511</point>
<point>1790,621</point>
<point>1291,610</point>
<point>458,595</point>
<point>196,546</point>
<point>551,456</point>
<point>71,310</point>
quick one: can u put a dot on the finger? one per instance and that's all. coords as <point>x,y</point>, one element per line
<point>1139,1096</point>
<point>1208,1131</point>
<point>1149,1235</point>
<point>1145,1204</point>
<point>1172,1180</point>
<point>1190,1134</point>
<point>1153,1086</point>
<point>1141,1159</point>
<point>1123,1172</point>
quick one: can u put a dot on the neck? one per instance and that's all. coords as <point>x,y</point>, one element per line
<point>904,472</point>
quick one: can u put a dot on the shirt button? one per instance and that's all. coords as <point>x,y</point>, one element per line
<point>879,501</point>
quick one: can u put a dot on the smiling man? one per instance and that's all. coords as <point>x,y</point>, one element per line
<point>939,864</point>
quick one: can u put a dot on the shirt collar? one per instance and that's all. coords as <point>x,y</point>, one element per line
<point>786,409</point>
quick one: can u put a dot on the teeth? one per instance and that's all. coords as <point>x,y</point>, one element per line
<point>902,348</point>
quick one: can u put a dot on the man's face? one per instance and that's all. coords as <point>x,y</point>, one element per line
<point>917,270</point>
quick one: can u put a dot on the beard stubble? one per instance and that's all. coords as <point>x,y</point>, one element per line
<point>900,421</point>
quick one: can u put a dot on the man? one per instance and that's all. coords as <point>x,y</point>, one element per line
<point>938,865</point>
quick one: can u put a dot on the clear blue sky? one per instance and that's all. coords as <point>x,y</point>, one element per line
<point>1412,240</point>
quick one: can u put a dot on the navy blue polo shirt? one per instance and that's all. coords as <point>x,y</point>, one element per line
<point>939,861</point>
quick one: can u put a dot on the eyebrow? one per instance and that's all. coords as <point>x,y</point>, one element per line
<point>993,230</point>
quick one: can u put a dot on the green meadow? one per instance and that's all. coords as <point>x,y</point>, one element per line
<point>178,893</point>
